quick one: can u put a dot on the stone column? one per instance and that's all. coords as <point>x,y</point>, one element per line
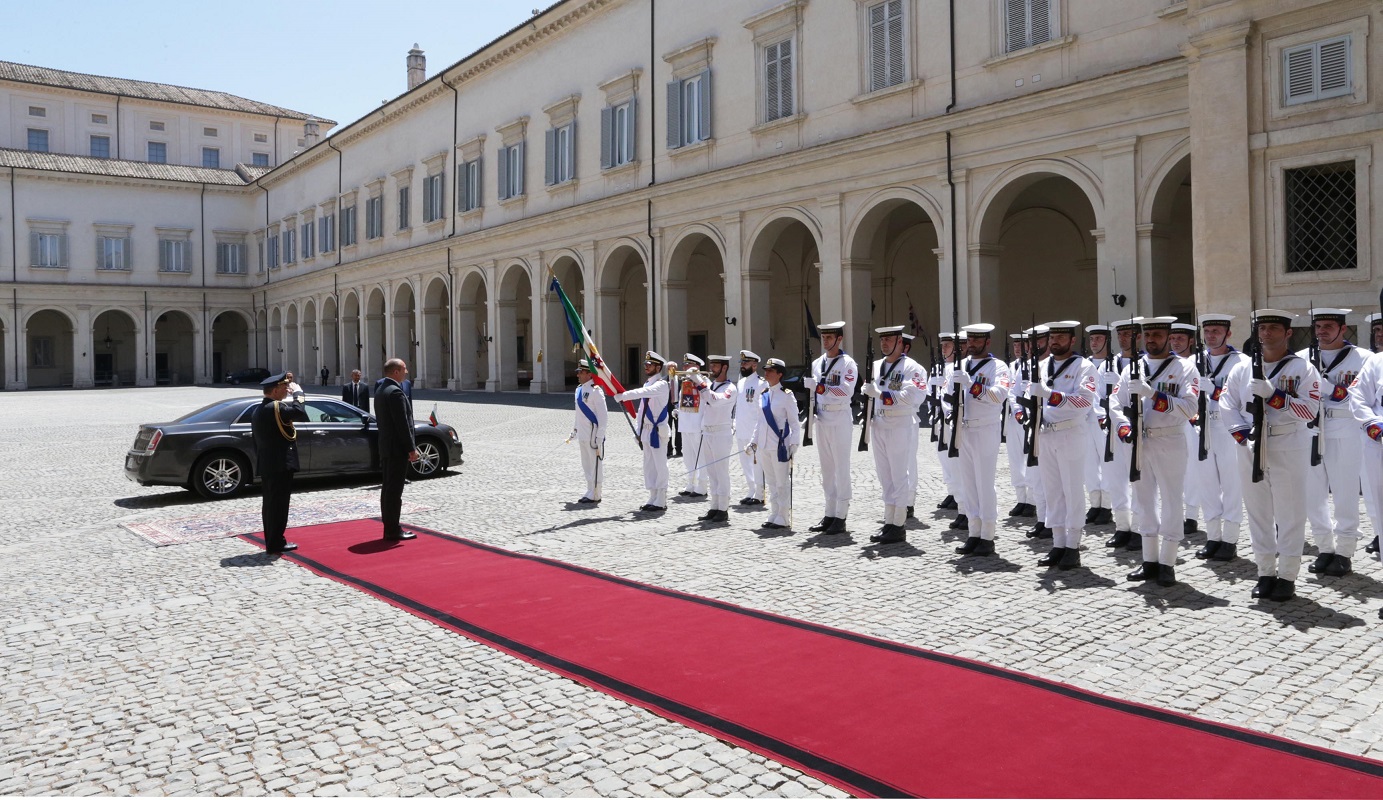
<point>200,333</point>
<point>1117,242</point>
<point>537,335</point>
<point>985,297</point>
<point>82,343</point>
<point>1154,293</point>
<point>733,272</point>
<point>857,284</point>
<point>757,313</point>
<point>493,329</point>
<point>967,270</point>
<point>834,290</point>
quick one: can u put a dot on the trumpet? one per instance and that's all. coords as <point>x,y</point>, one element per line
<point>674,372</point>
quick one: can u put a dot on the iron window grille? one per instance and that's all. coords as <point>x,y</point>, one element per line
<point>1322,221</point>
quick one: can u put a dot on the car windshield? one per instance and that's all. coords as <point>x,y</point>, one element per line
<point>331,411</point>
<point>216,412</point>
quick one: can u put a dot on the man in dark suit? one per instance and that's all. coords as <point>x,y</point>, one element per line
<point>356,392</point>
<point>397,447</point>
<point>276,454</point>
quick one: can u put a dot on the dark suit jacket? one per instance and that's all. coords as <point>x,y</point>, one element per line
<point>360,399</point>
<point>274,453</point>
<point>394,416</point>
<point>407,386</point>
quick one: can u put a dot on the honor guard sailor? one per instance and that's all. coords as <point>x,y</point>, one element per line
<point>1127,334</point>
<point>938,381</point>
<point>1065,389</point>
<point>654,406</point>
<point>1372,330</point>
<point>916,431</point>
<point>690,414</point>
<point>1335,481</point>
<point>1289,391</point>
<point>747,416</point>
<point>984,386</point>
<point>775,444</point>
<point>1366,400</point>
<point>1181,341</point>
<point>276,457</point>
<point>1013,424</point>
<point>717,437</point>
<point>1038,342</point>
<point>589,430</point>
<point>897,391</point>
<point>833,379</point>
<point>1222,491</point>
<point>1098,473</point>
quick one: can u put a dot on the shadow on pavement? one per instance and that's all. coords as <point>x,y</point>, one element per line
<point>1183,595</point>
<point>1303,613</point>
<point>1079,578</point>
<point>828,541</point>
<point>256,559</point>
<point>895,550</point>
<point>577,523</point>
<point>984,565</point>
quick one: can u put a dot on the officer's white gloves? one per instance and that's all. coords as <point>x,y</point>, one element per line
<point>872,390</point>
<point>1261,388</point>
<point>1139,387</point>
<point>792,451</point>
<point>809,382</point>
<point>1039,389</point>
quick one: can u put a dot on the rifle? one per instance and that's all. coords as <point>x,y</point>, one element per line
<point>1109,363</point>
<point>1035,418</point>
<point>1003,410</point>
<point>933,404</point>
<point>1257,435</point>
<point>1317,424</point>
<point>942,439</point>
<point>811,399</point>
<point>1135,417</point>
<point>953,449</point>
<point>869,403</point>
<point>1202,408</point>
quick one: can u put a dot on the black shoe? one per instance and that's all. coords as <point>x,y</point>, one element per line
<point>645,507</point>
<point>585,501</point>
<point>948,504</point>
<point>772,526</point>
<point>709,516</point>
<point>1147,571</point>
<point>911,513</point>
<point>753,501</point>
<point>1209,549</point>
<point>744,501</point>
<point>822,525</point>
<point>288,547</point>
<point>1090,515</point>
<point>1029,510</point>
<point>695,494</point>
<point>1135,542</point>
<point>684,493</point>
<point>1017,510</point>
<point>1283,591</point>
<point>960,523</point>
<point>401,536</point>
<point>1070,559</point>
<point>1119,539</point>
<point>1372,547</point>
<point>891,534</point>
<point>1104,516</point>
<point>971,542</point>
<point>1188,527</point>
<point>1338,567</point>
<point>651,509</point>
<point>1322,561</point>
<point>1228,552</point>
<point>1040,531</point>
<point>837,526</point>
<point>1264,588</point>
<point>984,548</point>
<point>1052,558</point>
<point>1167,575</point>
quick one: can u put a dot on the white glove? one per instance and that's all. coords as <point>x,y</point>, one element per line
<point>619,397</point>
<point>702,381</point>
<point>1139,387</point>
<point>872,390</point>
<point>792,451</point>
<point>1039,389</point>
<point>957,379</point>
<point>809,382</point>
<point>1261,388</point>
<point>935,382</point>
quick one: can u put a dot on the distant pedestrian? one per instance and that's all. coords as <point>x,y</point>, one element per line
<point>326,374</point>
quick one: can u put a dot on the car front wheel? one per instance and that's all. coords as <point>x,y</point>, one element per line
<point>220,475</point>
<point>431,459</point>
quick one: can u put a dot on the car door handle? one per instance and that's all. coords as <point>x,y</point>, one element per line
<point>319,433</point>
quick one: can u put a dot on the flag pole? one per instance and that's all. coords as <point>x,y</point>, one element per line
<point>586,354</point>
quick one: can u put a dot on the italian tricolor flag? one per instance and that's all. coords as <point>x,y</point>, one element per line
<point>601,373</point>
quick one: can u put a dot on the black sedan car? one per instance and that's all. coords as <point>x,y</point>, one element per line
<point>251,376</point>
<point>211,450</point>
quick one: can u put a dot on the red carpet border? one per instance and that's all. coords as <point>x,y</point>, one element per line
<point>873,717</point>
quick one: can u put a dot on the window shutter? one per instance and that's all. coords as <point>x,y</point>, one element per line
<point>126,252</point>
<point>439,202</point>
<point>62,250</point>
<point>504,158</point>
<point>461,186</point>
<point>550,157</point>
<point>896,63</point>
<point>1015,24</point>
<point>34,256</point>
<point>607,141</point>
<point>571,150</point>
<point>705,105</point>
<point>674,115</point>
<point>772,83</point>
<point>1334,68</point>
<point>631,128</point>
<point>1042,26</point>
<point>878,46</point>
<point>519,184</point>
<point>477,188</point>
<point>1298,65</point>
<point>785,75</point>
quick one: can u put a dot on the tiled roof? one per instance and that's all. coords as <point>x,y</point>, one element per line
<point>86,165</point>
<point>143,89</point>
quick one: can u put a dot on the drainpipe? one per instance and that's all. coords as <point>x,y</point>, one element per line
<point>14,234</point>
<point>952,19</point>
<point>955,257</point>
<point>456,177</point>
<point>148,334</point>
<point>206,321</point>
<point>267,268</point>
<point>340,164</point>
<point>652,95</point>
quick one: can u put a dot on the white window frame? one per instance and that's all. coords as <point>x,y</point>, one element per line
<point>374,217</point>
<point>327,233</point>
<point>48,245</point>
<point>560,155</point>
<point>899,52</point>
<point>1277,222</point>
<point>1012,41</point>
<point>619,134</point>
<point>92,144</point>
<point>405,213</point>
<point>213,151</point>
<point>350,235</point>
<point>149,152</point>
<point>778,101</point>
<point>308,236</point>
<point>469,187</point>
<point>114,252</point>
<point>230,258</point>
<point>290,241</point>
<point>434,197</point>
<point>272,249</point>
<point>174,255</point>
<point>511,168</point>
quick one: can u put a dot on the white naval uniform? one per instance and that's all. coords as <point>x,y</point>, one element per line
<point>1191,490</point>
<point>1161,452</point>
<point>1064,444</point>
<point>689,425</point>
<point>1276,505</point>
<point>1336,480</point>
<point>774,451</point>
<point>835,378</point>
<point>985,385</point>
<point>942,382</point>
<point>1114,476</point>
<point>1094,437</point>
<point>717,438</point>
<point>654,406</point>
<point>1222,489</point>
<point>1017,460</point>
<point>1366,400</point>
<point>589,434</point>
<point>893,432</point>
<point>747,419</point>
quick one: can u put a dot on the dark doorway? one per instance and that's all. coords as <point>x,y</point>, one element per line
<point>105,368</point>
<point>697,343</point>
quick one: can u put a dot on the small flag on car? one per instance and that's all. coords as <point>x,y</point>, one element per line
<point>432,418</point>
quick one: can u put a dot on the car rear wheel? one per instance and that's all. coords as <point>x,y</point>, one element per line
<point>432,459</point>
<point>217,476</point>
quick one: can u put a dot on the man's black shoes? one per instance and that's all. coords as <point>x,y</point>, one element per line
<point>287,547</point>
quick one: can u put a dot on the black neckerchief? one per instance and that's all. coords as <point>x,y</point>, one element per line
<point>1052,376</point>
<point>976,366</point>
<point>1224,359</point>
<point>1280,365</point>
<point>716,386</point>
<point>888,368</point>
<point>1147,368</point>
<point>826,373</point>
<point>1344,352</point>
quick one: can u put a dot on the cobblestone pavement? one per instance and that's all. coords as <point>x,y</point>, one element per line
<point>208,669</point>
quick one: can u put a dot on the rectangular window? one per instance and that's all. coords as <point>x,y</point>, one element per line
<point>434,198</point>
<point>113,252</point>
<point>48,250</point>
<point>210,132</point>
<point>348,233</point>
<point>38,111</point>
<point>511,171</point>
<point>689,110</point>
<point>211,157</point>
<point>328,233</point>
<point>290,242</point>
<point>99,119</point>
<point>617,135</point>
<point>42,352</point>
<point>468,186</point>
<point>261,138</point>
<point>778,81</point>
<point>309,240</point>
<point>172,255</point>
<point>405,213</point>
<point>38,140</point>
<point>156,126</point>
<point>560,155</point>
<point>1028,23</point>
<point>158,153</point>
<point>1322,222</point>
<point>259,159</point>
<point>274,251</point>
<point>100,146</point>
<point>374,217</point>
<point>1317,71</point>
<point>886,54</point>
<point>230,258</point>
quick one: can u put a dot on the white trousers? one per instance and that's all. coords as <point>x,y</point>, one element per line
<point>753,476</point>
<point>1336,481</point>
<point>1371,457</point>
<point>1276,505</point>
<point>778,482</point>
<point>655,468</point>
<point>1062,458</point>
<point>1094,464</point>
<point>693,456</point>
<point>1222,489</point>
<point>1191,489</point>
<point>1017,462</point>
<point>1163,469</point>
<point>912,466</point>
<point>979,457</point>
<point>591,464</point>
<point>716,450</point>
<point>834,443</point>
<point>892,445</point>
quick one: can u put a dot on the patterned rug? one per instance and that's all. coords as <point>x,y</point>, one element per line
<point>205,527</point>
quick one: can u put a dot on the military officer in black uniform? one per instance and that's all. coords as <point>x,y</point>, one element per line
<point>276,454</point>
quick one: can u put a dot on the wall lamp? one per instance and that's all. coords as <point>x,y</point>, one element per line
<point>730,320</point>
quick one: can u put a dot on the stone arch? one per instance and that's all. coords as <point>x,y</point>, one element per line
<point>695,291</point>
<point>515,326</point>
<point>292,345</point>
<point>374,343</point>
<point>116,353</point>
<point>231,346</point>
<point>893,245</point>
<point>331,336</point>
<point>473,326</point>
<point>1166,263</point>
<point>623,331</point>
<point>352,333</point>
<point>782,280</point>
<point>560,364</point>
<point>436,367</point>
<point>49,334</point>
<point>276,340</point>
<point>403,315</point>
<point>175,357</point>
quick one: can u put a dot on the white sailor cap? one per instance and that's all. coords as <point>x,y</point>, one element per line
<point>1038,330</point>
<point>651,357</point>
<point>718,359</point>
<point>830,327</point>
<point>1018,337</point>
<point>1125,324</point>
<point>946,336</point>
<point>889,330</point>
<point>748,355</point>
<point>1215,319</point>
<point>977,329</point>
<point>908,337</point>
<point>693,358</point>
<point>775,363</point>
<point>1375,318</point>
<point>1103,330</point>
<point>1329,314</point>
<point>1183,327</point>
<point>1155,323</point>
<point>1277,315</point>
<point>1064,326</point>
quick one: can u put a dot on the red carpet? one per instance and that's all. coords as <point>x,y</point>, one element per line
<point>870,716</point>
